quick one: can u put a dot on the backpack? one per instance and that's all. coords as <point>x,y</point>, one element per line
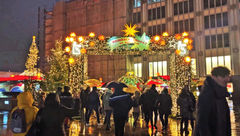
<point>18,121</point>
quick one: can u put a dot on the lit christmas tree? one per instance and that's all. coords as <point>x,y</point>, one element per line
<point>59,68</point>
<point>32,59</point>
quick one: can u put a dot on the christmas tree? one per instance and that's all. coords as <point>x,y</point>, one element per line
<point>59,68</point>
<point>32,59</point>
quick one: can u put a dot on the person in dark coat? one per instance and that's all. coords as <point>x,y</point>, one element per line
<point>165,106</point>
<point>187,105</point>
<point>84,105</point>
<point>121,103</point>
<point>107,108</point>
<point>148,100</point>
<point>52,116</point>
<point>136,108</point>
<point>213,115</point>
<point>93,104</point>
<point>155,93</point>
<point>66,98</point>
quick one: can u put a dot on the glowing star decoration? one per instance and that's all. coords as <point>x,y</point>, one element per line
<point>130,31</point>
<point>182,48</point>
<point>172,43</point>
<point>76,48</point>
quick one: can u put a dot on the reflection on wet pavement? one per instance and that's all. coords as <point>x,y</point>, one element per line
<point>141,130</point>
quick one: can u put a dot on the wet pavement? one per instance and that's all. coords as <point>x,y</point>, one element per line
<point>141,130</point>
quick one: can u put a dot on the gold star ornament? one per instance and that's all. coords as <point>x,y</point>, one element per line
<point>130,30</point>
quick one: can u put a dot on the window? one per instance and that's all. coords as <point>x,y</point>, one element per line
<point>138,17</point>
<point>154,30</point>
<point>181,26</point>
<point>226,40</point>
<point>190,5</point>
<point>205,4</point>
<point>215,61</point>
<point>192,24</point>
<point>224,2</point>
<point>213,41</point>
<point>176,27</point>
<point>137,3</point>
<point>219,41</point>
<point>163,28</point>
<point>157,67</point>
<point>154,13</point>
<point>225,19</point>
<point>219,20</point>
<point>218,3</point>
<point>180,7</point>
<point>185,6</point>
<point>163,11</point>
<point>150,14</point>
<point>193,66</point>
<point>138,69</point>
<point>211,3</point>
<point>149,30</point>
<point>175,9</point>
<point>158,13</point>
<point>207,42</point>
<point>152,1</point>
<point>206,22</point>
<point>212,21</point>
<point>186,24</point>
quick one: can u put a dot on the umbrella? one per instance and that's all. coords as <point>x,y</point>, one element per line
<point>116,85</point>
<point>130,89</point>
<point>92,82</point>
<point>154,81</point>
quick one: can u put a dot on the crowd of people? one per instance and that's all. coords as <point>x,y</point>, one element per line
<point>49,119</point>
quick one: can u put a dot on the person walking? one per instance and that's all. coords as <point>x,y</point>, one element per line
<point>93,104</point>
<point>66,98</point>
<point>121,103</point>
<point>164,108</point>
<point>52,116</point>
<point>136,108</point>
<point>84,102</point>
<point>187,105</point>
<point>107,108</point>
<point>25,102</point>
<point>213,115</point>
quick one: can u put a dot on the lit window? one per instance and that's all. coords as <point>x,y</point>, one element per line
<point>138,69</point>
<point>137,3</point>
<point>157,67</point>
<point>215,61</point>
<point>193,66</point>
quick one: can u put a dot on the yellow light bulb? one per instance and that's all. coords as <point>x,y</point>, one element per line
<point>71,39</point>
<point>67,39</point>
<point>72,34</point>
<point>185,40</point>
<point>156,38</point>
<point>80,39</point>
<point>165,34</point>
<point>71,60</point>
<point>187,59</point>
<point>91,34</point>
<point>184,34</point>
<point>67,49</point>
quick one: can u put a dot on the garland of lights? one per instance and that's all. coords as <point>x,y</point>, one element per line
<point>177,47</point>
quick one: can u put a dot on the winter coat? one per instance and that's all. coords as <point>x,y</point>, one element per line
<point>165,103</point>
<point>66,99</point>
<point>213,115</point>
<point>148,101</point>
<point>121,103</point>
<point>186,103</point>
<point>84,98</point>
<point>136,103</point>
<point>105,100</point>
<point>25,101</point>
<point>93,100</point>
<point>52,119</point>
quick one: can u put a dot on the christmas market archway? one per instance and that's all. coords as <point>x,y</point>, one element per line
<point>176,47</point>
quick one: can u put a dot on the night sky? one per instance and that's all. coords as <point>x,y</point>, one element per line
<point>18,23</point>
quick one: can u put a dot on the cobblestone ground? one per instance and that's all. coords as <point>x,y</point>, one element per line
<point>141,130</point>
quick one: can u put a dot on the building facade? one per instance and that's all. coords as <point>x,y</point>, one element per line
<point>214,25</point>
